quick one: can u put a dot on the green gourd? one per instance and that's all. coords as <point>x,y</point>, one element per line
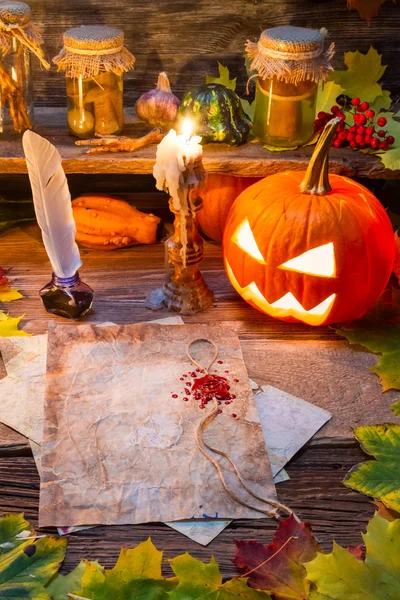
<point>217,113</point>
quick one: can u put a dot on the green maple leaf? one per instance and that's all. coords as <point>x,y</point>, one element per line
<point>27,563</point>
<point>391,159</point>
<point>366,8</point>
<point>199,580</point>
<point>378,478</point>
<point>339,575</point>
<point>396,408</point>
<point>382,338</point>
<point>62,585</point>
<point>362,75</point>
<point>137,574</point>
<point>223,78</point>
<point>327,94</point>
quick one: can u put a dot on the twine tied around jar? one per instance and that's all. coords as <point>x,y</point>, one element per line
<point>291,54</point>
<point>202,445</point>
<point>91,49</point>
<point>16,23</point>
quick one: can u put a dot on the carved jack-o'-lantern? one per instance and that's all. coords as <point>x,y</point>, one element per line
<point>301,247</point>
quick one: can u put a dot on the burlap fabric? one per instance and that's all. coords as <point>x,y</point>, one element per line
<point>90,50</point>
<point>291,54</point>
<point>15,23</point>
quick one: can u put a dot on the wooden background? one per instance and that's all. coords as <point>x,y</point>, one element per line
<point>187,37</point>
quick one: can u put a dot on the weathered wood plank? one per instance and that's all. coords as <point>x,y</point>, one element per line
<point>247,160</point>
<point>186,38</point>
<point>315,492</point>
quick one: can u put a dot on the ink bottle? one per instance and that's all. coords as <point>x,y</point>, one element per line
<point>67,297</point>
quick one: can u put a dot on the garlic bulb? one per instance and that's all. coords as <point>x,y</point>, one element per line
<point>159,106</point>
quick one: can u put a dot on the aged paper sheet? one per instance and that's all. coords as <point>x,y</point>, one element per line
<point>119,448</point>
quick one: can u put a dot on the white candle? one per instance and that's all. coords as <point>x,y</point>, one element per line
<point>175,156</point>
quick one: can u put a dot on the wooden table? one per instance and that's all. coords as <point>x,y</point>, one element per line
<point>121,280</point>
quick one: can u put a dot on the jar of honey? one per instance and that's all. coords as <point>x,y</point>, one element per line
<point>288,63</point>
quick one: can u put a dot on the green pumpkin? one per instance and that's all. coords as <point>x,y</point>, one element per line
<point>217,113</point>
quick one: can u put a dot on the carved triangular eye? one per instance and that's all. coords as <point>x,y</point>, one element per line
<point>244,238</point>
<point>318,261</point>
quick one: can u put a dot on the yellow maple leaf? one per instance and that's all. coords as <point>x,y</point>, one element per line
<point>9,325</point>
<point>8,294</point>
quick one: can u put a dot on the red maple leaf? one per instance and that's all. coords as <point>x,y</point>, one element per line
<point>278,567</point>
<point>366,8</point>
<point>357,551</point>
<point>3,278</point>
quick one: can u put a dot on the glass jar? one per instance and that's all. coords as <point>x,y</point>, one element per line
<point>16,90</point>
<point>288,63</point>
<point>94,59</point>
<point>19,38</point>
<point>285,112</point>
<point>95,105</point>
<point>67,297</point>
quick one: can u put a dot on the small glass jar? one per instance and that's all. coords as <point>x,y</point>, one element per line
<point>94,60</point>
<point>289,62</point>
<point>18,39</point>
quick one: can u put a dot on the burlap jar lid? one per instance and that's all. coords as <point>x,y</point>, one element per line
<point>16,23</point>
<point>91,49</point>
<point>291,54</point>
<point>15,13</point>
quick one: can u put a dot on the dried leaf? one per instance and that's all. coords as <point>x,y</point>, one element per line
<point>9,325</point>
<point>367,8</point>
<point>283,575</point>
<point>198,580</point>
<point>223,78</point>
<point>382,338</point>
<point>339,575</point>
<point>378,478</point>
<point>137,574</point>
<point>8,294</point>
<point>26,562</point>
<point>385,512</point>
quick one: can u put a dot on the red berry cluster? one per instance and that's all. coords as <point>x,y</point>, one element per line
<point>364,133</point>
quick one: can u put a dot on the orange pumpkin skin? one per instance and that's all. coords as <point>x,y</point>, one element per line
<point>286,223</point>
<point>219,193</point>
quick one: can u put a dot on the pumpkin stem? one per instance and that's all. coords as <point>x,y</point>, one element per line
<point>316,179</point>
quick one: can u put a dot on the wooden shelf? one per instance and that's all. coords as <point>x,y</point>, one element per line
<point>248,160</point>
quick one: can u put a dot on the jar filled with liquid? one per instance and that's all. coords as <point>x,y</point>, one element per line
<point>94,60</point>
<point>288,63</point>
<point>19,38</point>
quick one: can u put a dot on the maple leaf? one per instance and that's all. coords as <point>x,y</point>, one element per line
<point>379,337</point>
<point>223,79</point>
<point>27,563</point>
<point>362,75</point>
<point>385,512</point>
<point>396,408</point>
<point>199,580</point>
<point>367,8</point>
<point>278,567</point>
<point>137,574</point>
<point>8,294</point>
<point>340,575</point>
<point>9,325</point>
<point>327,94</point>
<point>378,478</point>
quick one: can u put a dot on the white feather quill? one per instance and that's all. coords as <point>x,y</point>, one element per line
<point>52,202</point>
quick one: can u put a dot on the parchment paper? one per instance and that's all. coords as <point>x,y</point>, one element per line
<point>118,448</point>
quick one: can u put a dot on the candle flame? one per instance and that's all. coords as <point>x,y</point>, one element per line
<point>187,129</point>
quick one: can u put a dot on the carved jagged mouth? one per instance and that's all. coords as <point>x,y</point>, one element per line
<point>284,307</point>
